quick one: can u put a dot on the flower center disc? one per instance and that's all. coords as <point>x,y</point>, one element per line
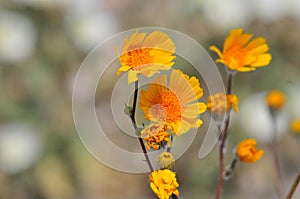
<point>166,107</point>
<point>138,57</point>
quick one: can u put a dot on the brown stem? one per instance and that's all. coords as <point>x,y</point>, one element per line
<point>277,180</point>
<point>132,116</point>
<point>298,145</point>
<point>229,85</point>
<point>222,144</point>
<point>294,187</point>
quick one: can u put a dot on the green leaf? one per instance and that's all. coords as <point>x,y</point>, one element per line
<point>128,110</point>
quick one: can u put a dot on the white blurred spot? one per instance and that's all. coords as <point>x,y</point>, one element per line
<point>270,9</point>
<point>88,24</point>
<point>20,147</point>
<point>226,13</point>
<point>255,120</point>
<point>17,37</point>
<point>237,13</point>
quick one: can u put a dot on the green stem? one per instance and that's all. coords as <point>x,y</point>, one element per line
<point>132,116</point>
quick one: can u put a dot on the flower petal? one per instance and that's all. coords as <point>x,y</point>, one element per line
<point>161,41</point>
<point>181,87</point>
<point>134,42</point>
<point>262,60</point>
<point>132,76</point>
<point>255,43</point>
<point>230,39</point>
<point>245,69</point>
<point>122,69</point>
<point>216,50</point>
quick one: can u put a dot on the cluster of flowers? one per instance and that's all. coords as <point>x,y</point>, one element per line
<point>171,103</point>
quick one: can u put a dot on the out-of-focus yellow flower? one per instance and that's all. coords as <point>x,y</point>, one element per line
<point>176,106</point>
<point>233,101</point>
<point>295,126</point>
<point>155,135</point>
<point>247,152</point>
<point>166,160</point>
<point>241,54</point>
<point>275,99</point>
<point>220,103</point>
<point>163,183</point>
<point>146,55</point>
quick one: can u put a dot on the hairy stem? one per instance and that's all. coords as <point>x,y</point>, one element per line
<point>222,143</point>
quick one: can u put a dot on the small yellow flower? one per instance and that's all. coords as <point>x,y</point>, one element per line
<point>166,160</point>
<point>163,183</point>
<point>295,126</point>
<point>241,54</point>
<point>155,135</point>
<point>247,152</point>
<point>146,55</point>
<point>220,103</point>
<point>275,99</point>
<point>176,106</point>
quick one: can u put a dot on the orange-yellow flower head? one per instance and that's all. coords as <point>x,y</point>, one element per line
<point>155,136</point>
<point>146,55</point>
<point>247,152</point>
<point>163,183</point>
<point>275,99</point>
<point>219,103</point>
<point>295,126</point>
<point>241,54</point>
<point>176,105</point>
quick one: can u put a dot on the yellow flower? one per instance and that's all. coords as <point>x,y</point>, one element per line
<point>163,183</point>
<point>275,99</point>
<point>176,105</point>
<point>220,103</point>
<point>247,152</point>
<point>295,126</point>
<point>241,54</point>
<point>146,55</point>
<point>155,135</point>
<point>166,160</point>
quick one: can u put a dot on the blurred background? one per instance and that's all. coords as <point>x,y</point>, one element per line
<point>43,43</point>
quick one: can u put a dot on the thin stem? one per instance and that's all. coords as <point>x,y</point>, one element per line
<point>298,145</point>
<point>229,172</point>
<point>294,187</point>
<point>274,154</point>
<point>170,147</point>
<point>222,141</point>
<point>229,85</point>
<point>277,181</point>
<point>132,116</point>
<point>175,197</point>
